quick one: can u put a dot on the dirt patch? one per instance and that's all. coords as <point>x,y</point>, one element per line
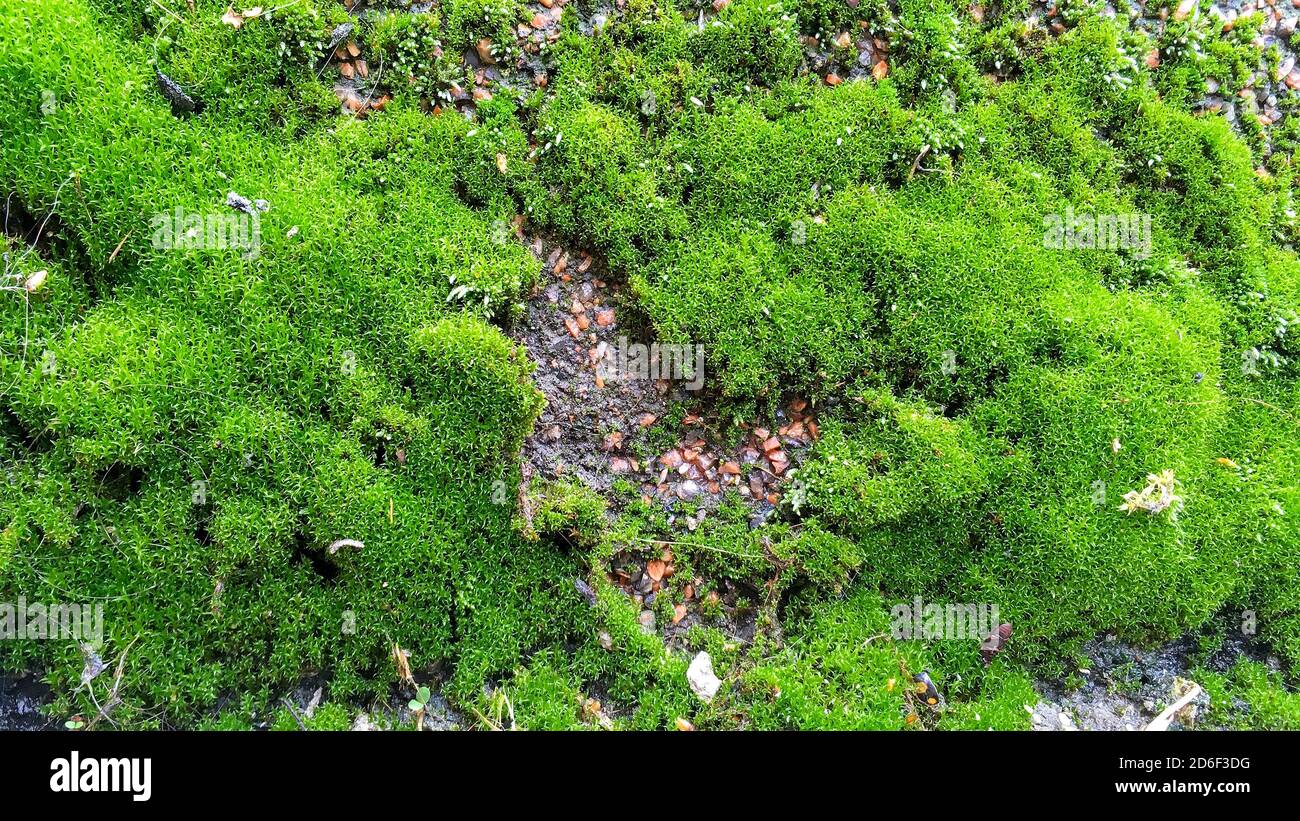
<point>607,420</point>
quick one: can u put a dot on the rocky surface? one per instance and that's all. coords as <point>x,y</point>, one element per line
<point>1122,687</point>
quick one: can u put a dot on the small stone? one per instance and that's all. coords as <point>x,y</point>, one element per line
<point>647,619</point>
<point>701,678</point>
<point>174,94</point>
<point>779,462</point>
<point>340,33</point>
<point>239,203</point>
<point>833,79</point>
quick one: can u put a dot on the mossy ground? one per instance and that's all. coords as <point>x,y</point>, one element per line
<point>185,434</point>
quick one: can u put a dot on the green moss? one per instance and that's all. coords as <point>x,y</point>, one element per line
<point>566,512</point>
<point>750,41</point>
<point>189,433</point>
<point>842,671</point>
<point>1250,697</point>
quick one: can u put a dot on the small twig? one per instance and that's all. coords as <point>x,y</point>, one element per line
<point>714,548</point>
<point>1162,721</point>
<point>489,722</point>
<point>925,149</point>
<point>113,255</point>
<point>114,698</point>
<point>294,710</point>
<point>179,19</point>
<point>378,79</point>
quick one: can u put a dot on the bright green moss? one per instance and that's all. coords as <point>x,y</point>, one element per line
<point>566,512</point>
<point>842,671</point>
<point>1250,697</point>
<point>188,434</point>
<point>215,422</point>
<point>750,41</point>
<point>469,21</point>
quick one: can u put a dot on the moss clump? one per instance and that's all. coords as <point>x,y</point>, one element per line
<point>565,512</point>
<point>211,423</point>
<point>412,52</point>
<point>842,671</point>
<point>190,434</point>
<point>1250,697</point>
<point>750,41</point>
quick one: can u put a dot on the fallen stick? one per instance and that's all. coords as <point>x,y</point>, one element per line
<point>1162,721</point>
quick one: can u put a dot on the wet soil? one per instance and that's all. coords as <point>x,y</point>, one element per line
<point>21,700</point>
<point>1123,687</point>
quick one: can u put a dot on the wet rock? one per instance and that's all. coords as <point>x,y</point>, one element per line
<point>172,92</point>
<point>240,203</point>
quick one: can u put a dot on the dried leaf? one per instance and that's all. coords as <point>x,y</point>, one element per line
<point>655,569</point>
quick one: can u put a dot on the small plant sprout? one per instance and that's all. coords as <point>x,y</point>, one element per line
<point>419,705</point>
<point>1159,495</point>
<point>421,700</point>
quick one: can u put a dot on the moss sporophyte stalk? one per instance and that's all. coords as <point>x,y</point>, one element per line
<point>909,303</point>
